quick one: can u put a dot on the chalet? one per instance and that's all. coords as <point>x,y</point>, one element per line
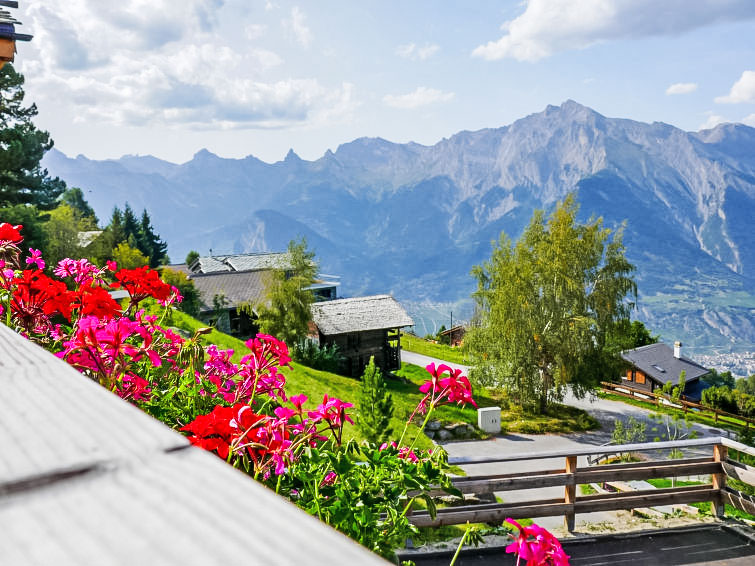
<point>652,366</point>
<point>455,335</point>
<point>362,327</point>
<point>228,283</point>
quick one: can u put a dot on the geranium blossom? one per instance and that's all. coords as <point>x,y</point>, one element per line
<point>537,546</point>
<point>35,258</point>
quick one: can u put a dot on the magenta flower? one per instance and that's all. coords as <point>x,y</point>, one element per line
<point>537,546</point>
<point>35,257</point>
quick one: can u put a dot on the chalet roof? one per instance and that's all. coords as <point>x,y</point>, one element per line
<point>241,262</point>
<point>359,314</point>
<point>238,287</point>
<point>87,237</point>
<point>658,362</point>
<point>457,328</point>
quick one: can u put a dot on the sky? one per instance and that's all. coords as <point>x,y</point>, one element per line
<point>260,77</point>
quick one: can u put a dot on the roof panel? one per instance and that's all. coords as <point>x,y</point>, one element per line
<point>359,314</point>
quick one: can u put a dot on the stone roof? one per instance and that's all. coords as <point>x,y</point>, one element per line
<point>241,262</point>
<point>359,314</point>
<point>238,287</point>
<point>658,362</point>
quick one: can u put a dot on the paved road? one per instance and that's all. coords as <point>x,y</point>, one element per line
<point>607,412</point>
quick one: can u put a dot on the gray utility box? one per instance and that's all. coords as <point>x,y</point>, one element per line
<point>489,419</point>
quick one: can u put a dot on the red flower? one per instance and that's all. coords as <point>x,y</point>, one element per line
<point>10,235</point>
<point>141,283</point>
<point>38,297</point>
<point>94,300</point>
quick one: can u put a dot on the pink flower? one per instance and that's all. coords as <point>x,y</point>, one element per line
<point>537,546</point>
<point>35,257</point>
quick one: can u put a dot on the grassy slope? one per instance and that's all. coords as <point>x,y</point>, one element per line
<point>315,384</point>
<point>413,343</point>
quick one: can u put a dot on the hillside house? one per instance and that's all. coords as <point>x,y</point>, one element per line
<point>362,327</point>
<point>230,281</point>
<point>455,335</point>
<point>654,365</point>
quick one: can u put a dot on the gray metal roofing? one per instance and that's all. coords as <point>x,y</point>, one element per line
<point>238,287</point>
<point>358,314</point>
<point>658,362</point>
<point>241,262</point>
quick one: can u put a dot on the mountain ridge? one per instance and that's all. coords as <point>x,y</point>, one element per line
<point>413,219</point>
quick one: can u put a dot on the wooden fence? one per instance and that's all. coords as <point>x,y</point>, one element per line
<point>718,465</point>
<point>86,478</point>
<point>683,404</point>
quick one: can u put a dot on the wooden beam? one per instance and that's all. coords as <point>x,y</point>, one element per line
<point>739,471</point>
<point>738,500</point>
<point>719,480</point>
<point>570,492</point>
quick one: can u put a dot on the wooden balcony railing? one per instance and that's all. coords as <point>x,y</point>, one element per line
<point>717,465</point>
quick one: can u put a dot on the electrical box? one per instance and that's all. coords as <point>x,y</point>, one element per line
<point>489,419</point>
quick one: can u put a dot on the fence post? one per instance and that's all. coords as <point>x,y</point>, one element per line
<point>570,492</point>
<point>719,480</point>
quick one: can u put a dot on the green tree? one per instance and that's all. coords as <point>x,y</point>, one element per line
<point>547,303</point>
<point>744,384</point>
<point>128,257</point>
<point>22,146</point>
<point>62,230</point>
<point>151,244</point>
<point>191,300</point>
<point>286,314</point>
<point>191,257</point>
<point>74,197</point>
<point>375,405</point>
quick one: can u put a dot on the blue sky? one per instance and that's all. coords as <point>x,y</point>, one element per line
<point>241,77</point>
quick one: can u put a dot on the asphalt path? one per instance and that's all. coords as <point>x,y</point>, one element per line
<point>502,445</point>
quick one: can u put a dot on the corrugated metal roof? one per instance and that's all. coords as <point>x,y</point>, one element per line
<point>243,287</point>
<point>359,314</point>
<point>658,362</point>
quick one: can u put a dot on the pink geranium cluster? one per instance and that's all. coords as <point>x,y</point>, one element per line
<point>537,546</point>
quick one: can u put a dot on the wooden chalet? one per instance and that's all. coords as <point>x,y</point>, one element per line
<point>455,335</point>
<point>654,365</point>
<point>242,279</point>
<point>362,327</point>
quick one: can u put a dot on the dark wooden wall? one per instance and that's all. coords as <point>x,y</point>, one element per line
<point>357,347</point>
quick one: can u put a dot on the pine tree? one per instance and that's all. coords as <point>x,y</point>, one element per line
<point>375,405</point>
<point>153,246</point>
<point>22,146</point>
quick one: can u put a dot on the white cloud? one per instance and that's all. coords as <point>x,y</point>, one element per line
<point>254,31</point>
<point>741,91</point>
<point>422,96</point>
<point>713,121</point>
<point>681,88</point>
<point>550,26</point>
<point>414,52</point>
<point>300,30</point>
<point>749,120</point>
<point>136,66</point>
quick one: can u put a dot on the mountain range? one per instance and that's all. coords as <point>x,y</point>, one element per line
<point>412,220</point>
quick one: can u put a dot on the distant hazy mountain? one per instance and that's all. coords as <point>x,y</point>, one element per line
<point>412,220</point>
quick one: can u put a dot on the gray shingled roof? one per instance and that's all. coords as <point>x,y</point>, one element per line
<point>359,314</point>
<point>241,262</point>
<point>658,362</point>
<point>238,288</point>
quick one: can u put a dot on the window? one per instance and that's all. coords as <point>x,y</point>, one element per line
<point>640,378</point>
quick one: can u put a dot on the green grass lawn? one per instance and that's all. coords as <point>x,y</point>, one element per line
<point>412,343</point>
<point>704,507</point>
